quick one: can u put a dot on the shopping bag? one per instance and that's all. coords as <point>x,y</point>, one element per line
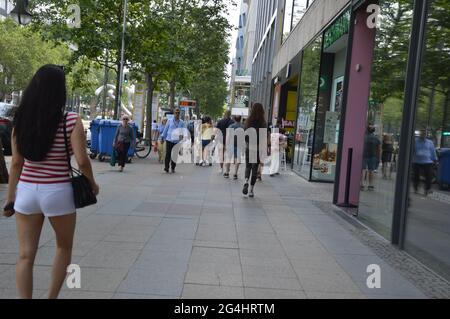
<point>114,156</point>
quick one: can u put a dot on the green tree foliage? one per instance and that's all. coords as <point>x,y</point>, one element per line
<point>22,53</point>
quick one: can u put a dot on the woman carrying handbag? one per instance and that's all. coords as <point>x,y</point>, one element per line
<point>122,141</point>
<point>42,183</point>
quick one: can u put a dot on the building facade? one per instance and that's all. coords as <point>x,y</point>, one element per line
<point>362,88</point>
<point>267,41</point>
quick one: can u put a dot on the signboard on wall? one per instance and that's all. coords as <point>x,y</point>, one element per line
<point>331,127</point>
<point>139,105</point>
<point>276,103</point>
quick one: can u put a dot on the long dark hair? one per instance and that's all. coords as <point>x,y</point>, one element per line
<point>256,118</point>
<point>40,112</point>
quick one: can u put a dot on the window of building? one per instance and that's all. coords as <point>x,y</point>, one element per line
<point>428,220</point>
<point>293,12</point>
<point>384,117</point>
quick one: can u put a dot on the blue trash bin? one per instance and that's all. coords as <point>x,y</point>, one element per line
<point>444,168</point>
<point>108,130</point>
<point>95,129</point>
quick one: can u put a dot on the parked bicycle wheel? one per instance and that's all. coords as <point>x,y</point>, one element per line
<point>143,148</point>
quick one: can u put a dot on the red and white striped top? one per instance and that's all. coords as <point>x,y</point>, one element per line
<point>53,169</point>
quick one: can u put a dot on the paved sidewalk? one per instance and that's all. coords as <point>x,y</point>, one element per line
<point>193,235</point>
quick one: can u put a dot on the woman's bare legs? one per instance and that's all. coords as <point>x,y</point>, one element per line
<point>29,230</point>
<point>64,227</point>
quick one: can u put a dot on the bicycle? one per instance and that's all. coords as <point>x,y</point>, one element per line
<point>143,147</point>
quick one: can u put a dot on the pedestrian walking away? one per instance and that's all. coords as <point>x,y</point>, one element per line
<point>207,135</point>
<point>172,135</point>
<point>123,140</point>
<point>222,125</point>
<point>256,120</point>
<point>236,150</point>
<point>39,182</point>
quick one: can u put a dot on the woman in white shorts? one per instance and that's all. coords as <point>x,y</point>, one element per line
<point>39,181</point>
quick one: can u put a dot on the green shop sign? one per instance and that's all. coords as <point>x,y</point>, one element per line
<point>337,29</point>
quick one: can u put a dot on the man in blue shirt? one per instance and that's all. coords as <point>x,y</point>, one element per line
<point>172,135</point>
<point>423,159</point>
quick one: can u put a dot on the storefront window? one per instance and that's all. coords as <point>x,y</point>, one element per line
<point>307,105</point>
<point>428,218</point>
<point>328,114</point>
<point>384,116</point>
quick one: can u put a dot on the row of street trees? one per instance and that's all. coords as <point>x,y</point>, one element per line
<point>180,42</point>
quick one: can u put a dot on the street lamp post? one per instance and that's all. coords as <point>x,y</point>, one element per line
<point>20,13</point>
<point>122,57</point>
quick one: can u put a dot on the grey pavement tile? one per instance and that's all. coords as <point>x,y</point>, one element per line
<point>214,274</point>
<point>9,258</point>
<point>120,207</point>
<point>41,275</point>
<point>11,293</point>
<point>9,245</point>
<point>214,255</point>
<point>263,227</point>
<point>45,256</point>
<point>258,281</point>
<point>216,244</point>
<point>267,270</point>
<point>80,294</point>
<point>125,237</point>
<point>267,293</point>
<point>80,246</point>
<point>112,246</point>
<point>381,296</point>
<point>185,208</point>
<point>333,295</point>
<point>317,260</point>
<point>207,234</point>
<point>176,260</point>
<point>148,282</point>
<point>356,265</point>
<point>177,245</point>
<point>208,210</point>
<point>216,219</point>
<point>109,258</point>
<point>324,280</point>
<point>102,279</point>
<point>138,296</point>
<point>141,220</point>
<point>337,246</point>
<point>264,261</point>
<point>269,253</point>
<point>193,291</point>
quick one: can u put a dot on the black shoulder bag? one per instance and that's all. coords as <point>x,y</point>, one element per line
<point>83,194</point>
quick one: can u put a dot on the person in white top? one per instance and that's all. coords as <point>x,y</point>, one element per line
<point>39,182</point>
<point>155,131</point>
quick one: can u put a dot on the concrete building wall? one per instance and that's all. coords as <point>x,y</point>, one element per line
<point>267,37</point>
<point>318,16</point>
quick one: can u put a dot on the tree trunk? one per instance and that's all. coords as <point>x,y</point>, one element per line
<point>431,108</point>
<point>446,113</point>
<point>172,95</point>
<point>4,176</point>
<point>148,111</point>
